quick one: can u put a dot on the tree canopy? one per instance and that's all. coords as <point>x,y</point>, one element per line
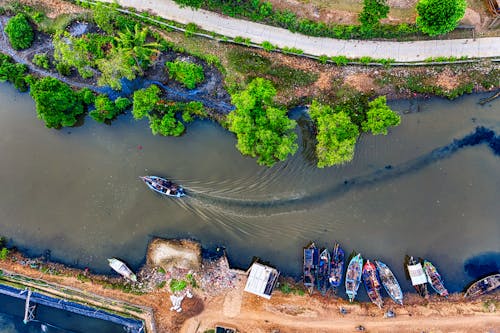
<point>437,17</point>
<point>56,103</point>
<point>262,130</point>
<point>380,117</point>
<point>20,32</point>
<point>145,100</point>
<point>373,11</point>
<point>187,73</point>
<point>336,137</point>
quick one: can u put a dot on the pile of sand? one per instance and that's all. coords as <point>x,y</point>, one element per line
<point>173,253</point>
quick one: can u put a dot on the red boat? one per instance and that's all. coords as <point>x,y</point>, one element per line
<point>372,283</point>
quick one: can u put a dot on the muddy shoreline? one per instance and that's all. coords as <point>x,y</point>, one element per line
<point>225,302</point>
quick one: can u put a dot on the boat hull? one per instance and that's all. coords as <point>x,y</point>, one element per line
<point>435,279</point>
<point>372,284</point>
<point>163,186</point>
<point>483,286</point>
<point>353,277</point>
<point>310,267</point>
<point>389,282</point>
<point>336,266</point>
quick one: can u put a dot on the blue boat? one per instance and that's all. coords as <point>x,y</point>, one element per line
<point>336,266</point>
<point>163,186</point>
<point>311,262</point>
<point>389,281</point>
<point>353,277</point>
<point>323,271</point>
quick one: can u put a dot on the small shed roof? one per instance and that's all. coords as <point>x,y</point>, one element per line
<point>417,274</point>
<point>261,280</point>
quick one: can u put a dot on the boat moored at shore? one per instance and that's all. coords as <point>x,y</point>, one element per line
<point>485,285</point>
<point>418,277</point>
<point>122,269</point>
<point>311,261</point>
<point>324,271</point>
<point>389,281</point>
<point>353,276</point>
<point>372,283</point>
<point>336,266</point>
<point>435,279</point>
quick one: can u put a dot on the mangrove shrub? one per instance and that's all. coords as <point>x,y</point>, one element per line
<point>187,73</point>
<point>144,101</point>
<point>56,103</point>
<point>436,17</point>
<point>13,72</point>
<point>105,109</point>
<point>41,60</point>
<point>262,129</point>
<point>20,32</point>
<point>380,117</point>
<point>336,137</point>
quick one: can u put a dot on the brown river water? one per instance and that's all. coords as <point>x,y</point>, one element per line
<point>76,191</point>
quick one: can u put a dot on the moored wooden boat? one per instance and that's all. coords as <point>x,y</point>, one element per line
<point>323,271</point>
<point>434,278</point>
<point>483,286</point>
<point>120,267</point>
<point>336,266</point>
<point>372,283</point>
<point>418,277</point>
<point>353,276</point>
<point>389,281</point>
<point>163,186</point>
<point>311,261</point>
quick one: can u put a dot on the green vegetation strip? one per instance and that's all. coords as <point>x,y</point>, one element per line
<point>118,307</point>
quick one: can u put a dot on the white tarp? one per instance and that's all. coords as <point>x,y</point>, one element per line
<point>259,278</point>
<point>417,274</point>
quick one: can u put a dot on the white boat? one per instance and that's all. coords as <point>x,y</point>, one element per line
<point>122,269</point>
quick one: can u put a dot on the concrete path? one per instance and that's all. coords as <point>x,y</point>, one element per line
<point>400,51</point>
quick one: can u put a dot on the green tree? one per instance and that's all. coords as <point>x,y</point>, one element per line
<point>380,117</point>
<point>20,32</point>
<point>336,137</point>
<point>104,17</point>
<point>373,11</point>
<point>104,109</point>
<point>262,130</point>
<point>13,72</point>
<point>145,101</point>
<point>72,52</point>
<point>435,17</point>
<point>134,43</point>
<point>56,103</point>
<point>187,73</point>
<point>116,67</point>
<point>166,124</point>
<point>41,60</point>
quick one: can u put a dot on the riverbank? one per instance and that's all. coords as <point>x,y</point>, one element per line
<point>226,303</point>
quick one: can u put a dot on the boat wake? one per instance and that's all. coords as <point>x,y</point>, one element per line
<point>249,208</point>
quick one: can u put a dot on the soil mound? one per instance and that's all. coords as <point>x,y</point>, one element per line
<point>173,253</point>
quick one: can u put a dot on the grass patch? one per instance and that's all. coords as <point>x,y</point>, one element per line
<point>249,65</point>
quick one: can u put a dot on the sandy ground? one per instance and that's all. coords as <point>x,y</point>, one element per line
<point>285,313</point>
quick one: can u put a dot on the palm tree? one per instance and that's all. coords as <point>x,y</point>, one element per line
<point>134,43</point>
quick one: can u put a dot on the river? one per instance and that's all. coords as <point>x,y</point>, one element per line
<point>76,191</point>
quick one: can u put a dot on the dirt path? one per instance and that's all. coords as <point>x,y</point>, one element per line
<point>316,314</point>
<point>400,51</point>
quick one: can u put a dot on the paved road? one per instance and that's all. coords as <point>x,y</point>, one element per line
<point>400,51</point>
